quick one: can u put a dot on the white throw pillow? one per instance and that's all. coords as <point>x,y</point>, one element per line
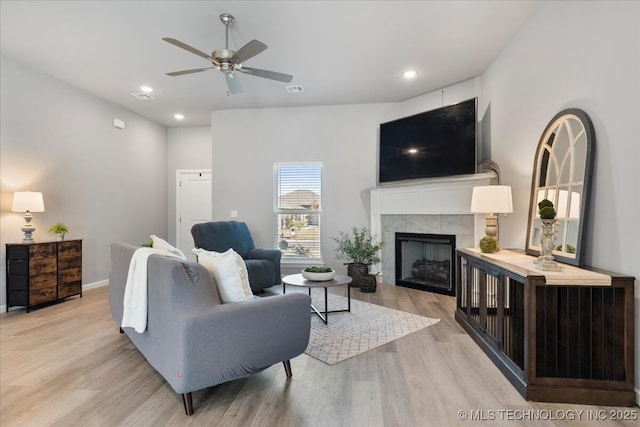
<point>229,272</point>
<point>163,245</point>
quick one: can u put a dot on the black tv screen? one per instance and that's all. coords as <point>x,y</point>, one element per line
<point>435,143</point>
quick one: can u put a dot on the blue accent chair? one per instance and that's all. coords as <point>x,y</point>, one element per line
<point>263,265</point>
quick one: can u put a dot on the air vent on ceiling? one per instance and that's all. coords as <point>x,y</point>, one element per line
<point>295,89</point>
<point>142,96</point>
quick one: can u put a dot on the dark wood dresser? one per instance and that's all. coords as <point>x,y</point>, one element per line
<point>557,336</point>
<point>41,273</point>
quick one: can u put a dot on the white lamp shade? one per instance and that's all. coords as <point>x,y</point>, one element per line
<point>491,199</point>
<point>27,201</point>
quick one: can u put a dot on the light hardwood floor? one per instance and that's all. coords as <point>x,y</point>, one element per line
<point>67,365</point>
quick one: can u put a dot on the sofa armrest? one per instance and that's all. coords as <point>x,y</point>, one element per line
<point>273,255</point>
<point>239,339</point>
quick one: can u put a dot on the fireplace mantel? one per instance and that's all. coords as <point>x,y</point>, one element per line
<point>437,196</point>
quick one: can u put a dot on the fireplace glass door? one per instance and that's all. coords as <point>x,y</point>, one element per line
<point>426,261</point>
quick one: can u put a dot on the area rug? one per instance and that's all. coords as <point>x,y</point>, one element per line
<point>366,327</point>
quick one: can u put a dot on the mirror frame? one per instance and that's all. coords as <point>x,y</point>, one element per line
<point>557,121</point>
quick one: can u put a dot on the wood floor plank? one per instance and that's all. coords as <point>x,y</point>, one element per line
<point>67,365</point>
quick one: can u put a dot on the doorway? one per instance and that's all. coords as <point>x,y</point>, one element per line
<point>193,205</point>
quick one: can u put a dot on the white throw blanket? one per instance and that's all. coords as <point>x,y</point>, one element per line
<point>135,292</point>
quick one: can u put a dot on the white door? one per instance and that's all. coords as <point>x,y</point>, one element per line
<point>194,205</point>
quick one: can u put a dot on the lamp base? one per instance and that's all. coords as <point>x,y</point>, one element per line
<point>28,230</point>
<point>491,226</point>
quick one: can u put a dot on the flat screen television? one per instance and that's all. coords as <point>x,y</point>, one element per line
<point>440,142</point>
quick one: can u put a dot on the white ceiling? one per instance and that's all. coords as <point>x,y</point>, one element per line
<point>341,52</point>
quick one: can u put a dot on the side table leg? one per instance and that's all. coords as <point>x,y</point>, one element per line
<point>348,297</point>
<point>326,308</point>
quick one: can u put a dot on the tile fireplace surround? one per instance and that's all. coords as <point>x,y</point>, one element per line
<point>435,206</point>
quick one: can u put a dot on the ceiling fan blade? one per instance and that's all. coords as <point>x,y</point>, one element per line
<point>281,77</point>
<point>247,51</point>
<point>233,83</point>
<point>191,49</point>
<point>183,72</point>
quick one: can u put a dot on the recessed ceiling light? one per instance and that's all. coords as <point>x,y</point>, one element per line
<point>146,89</point>
<point>178,116</point>
<point>409,74</point>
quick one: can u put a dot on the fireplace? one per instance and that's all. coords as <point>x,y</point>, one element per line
<point>426,261</point>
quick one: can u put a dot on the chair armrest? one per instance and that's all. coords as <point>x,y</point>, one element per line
<point>273,255</point>
<point>239,339</point>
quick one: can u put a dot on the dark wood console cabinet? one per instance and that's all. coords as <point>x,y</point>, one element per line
<point>571,343</point>
<point>41,273</point>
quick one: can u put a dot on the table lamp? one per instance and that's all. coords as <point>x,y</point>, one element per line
<point>27,202</point>
<point>491,199</point>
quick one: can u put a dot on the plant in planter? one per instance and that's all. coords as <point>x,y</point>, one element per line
<point>361,249</point>
<point>59,229</point>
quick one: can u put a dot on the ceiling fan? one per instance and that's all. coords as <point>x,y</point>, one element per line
<point>229,61</point>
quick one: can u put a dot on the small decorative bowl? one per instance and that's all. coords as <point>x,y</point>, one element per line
<point>318,277</point>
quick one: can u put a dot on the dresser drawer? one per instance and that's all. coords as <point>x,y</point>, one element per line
<point>39,266</point>
<point>69,288</point>
<point>17,283</point>
<point>69,262</point>
<point>18,297</point>
<point>70,275</point>
<point>43,289</point>
<point>17,267</point>
<point>42,250</point>
<point>70,248</point>
<point>18,252</point>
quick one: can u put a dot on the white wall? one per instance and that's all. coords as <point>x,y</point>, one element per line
<point>106,184</point>
<point>189,148</point>
<point>584,55</point>
<point>246,143</point>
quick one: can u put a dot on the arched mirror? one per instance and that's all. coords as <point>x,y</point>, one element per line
<point>562,173</point>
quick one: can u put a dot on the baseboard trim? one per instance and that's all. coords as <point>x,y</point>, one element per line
<point>94,285</point>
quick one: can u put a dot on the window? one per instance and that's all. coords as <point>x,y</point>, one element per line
<point>298,210</point>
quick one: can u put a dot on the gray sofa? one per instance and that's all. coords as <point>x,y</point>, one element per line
<point>196,342</point>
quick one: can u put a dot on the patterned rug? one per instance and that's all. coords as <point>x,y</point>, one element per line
<point>367,326</point>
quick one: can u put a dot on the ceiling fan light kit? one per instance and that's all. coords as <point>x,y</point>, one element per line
<point>228,61</point>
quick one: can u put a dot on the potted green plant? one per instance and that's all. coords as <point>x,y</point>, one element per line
<point>59,229</point>
<point>361,249</point>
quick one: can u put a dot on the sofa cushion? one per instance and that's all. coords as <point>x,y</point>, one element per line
<point>229,273</point>
<point>163,245</point>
